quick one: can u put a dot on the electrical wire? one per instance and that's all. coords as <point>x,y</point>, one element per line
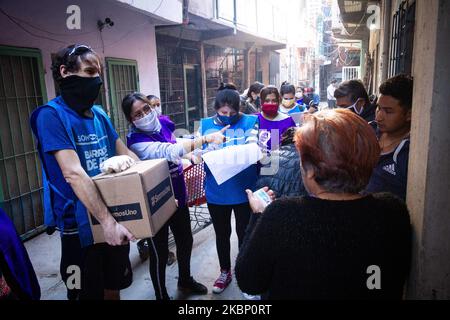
<point>103,46</point>
<point>159,6</point>
<point>42,29</point>
<point>356,28</point>
<point>123,37</point>
<point>344,62</point>
<point>29,32</point>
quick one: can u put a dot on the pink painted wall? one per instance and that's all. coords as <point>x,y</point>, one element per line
<point>131,37</point>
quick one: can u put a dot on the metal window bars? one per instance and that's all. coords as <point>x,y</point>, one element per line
<point>123,79</point>
<point>402,38</point>
<point>21,91</point>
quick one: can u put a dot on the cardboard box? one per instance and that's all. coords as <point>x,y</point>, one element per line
<point>140,198</point>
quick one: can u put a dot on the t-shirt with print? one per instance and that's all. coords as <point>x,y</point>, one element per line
<point>391,172</point>
<point>95,140</point>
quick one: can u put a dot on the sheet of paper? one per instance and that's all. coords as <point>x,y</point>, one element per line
<point>228,162</point>
<point>297,117</point>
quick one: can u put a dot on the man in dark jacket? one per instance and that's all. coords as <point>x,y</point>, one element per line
<point>352,95</point>
<point>287,181</point>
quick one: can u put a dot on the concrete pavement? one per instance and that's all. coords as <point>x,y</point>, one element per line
<point>45,251</point>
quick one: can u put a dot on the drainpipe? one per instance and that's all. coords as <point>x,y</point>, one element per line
<point>234,18</point>
<point>185,12</point>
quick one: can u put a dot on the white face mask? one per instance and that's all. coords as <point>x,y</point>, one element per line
<point>298,95</point>
<point>353,106</point>
<point>158,110</point>
<point>149,123</point>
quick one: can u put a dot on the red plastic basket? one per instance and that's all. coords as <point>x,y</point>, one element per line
<point>194,177</point>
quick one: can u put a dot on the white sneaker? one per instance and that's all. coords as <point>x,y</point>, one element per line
<point>251,297</point>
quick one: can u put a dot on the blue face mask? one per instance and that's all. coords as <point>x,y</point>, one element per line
<point>226,120</point>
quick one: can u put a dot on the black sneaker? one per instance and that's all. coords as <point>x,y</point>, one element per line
<point>142,246</point>
<point>192,286</point>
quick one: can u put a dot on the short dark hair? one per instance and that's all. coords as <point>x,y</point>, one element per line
<point>399,87</point>
<point>227,94</point>
<point>128,101</point>
<point>269,90</point>
<point>286,87</point>
<point>340,147</point>
<point>333,81</point>
<point>72,56</point>
<point>353,89</point>
<point>255,87</point>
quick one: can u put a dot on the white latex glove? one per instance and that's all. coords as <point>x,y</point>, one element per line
<point>116,164</point>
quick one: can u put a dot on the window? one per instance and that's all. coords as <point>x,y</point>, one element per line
<point>402,39</point>
<point>180,80</point>
<point>22,89</point>
<point>222,65</point>
<point>171,82</point>
<point>122,79</point>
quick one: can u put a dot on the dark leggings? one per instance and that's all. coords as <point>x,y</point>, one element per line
<point>180,224</point>
<point>221,219</point>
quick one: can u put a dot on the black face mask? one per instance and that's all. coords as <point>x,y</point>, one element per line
<point>80,92</point>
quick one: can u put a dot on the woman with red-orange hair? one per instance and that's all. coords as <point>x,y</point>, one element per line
<point>334,243</point>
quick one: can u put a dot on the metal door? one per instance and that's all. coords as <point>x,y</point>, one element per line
<point>22,89</point>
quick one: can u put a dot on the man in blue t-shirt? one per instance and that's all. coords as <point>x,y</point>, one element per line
<point>393,124</point>
<point>74,138</point>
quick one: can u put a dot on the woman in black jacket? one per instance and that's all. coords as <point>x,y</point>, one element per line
<point>335,243</point>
